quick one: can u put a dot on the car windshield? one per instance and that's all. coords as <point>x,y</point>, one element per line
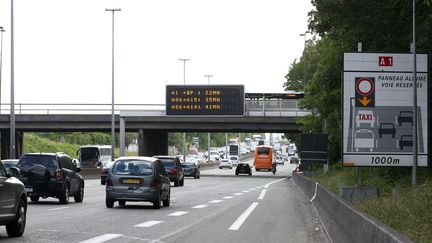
<point>168,162</point>
<point>48,161</point>
<point>132,167</point>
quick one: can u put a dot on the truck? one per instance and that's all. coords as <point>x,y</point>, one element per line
<point>94,155</point>
<point>234,150</point>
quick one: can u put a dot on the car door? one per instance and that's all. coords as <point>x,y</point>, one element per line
<point>7,195</point>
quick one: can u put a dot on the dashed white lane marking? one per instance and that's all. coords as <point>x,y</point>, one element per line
<point>216,201</point>
<point>238,223</point>
<point>102,238</point>
<point>178,213</point>
<point>245,191</point>
<point>238,194</point>
<point>200,206</point>
<point>252,189</point>
<point>148,224</point>
<point>228,197</point>
<point>54,209</point>
<point>262,194</point>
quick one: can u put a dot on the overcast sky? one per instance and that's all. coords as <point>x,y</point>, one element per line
<point>63,47</point>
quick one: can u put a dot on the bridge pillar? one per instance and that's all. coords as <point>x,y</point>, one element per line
<point>152,143</point>
<point>5,140</point>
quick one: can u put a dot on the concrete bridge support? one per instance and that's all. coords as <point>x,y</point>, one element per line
<point>152,142</point>
<point>5,148</point>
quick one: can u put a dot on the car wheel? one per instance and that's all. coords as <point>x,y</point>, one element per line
<point>182,182</point>
<point>176,182</point>
<point>109,202</point>
<point>166,201</point>
<point>103,182</point>
<point>16,228</point>
<point>34,198</point>
<point>80,196</point>
<point>122,202</point>
<point>64,195</point>
<point>156,202</point>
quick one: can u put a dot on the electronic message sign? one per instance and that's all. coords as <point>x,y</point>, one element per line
<point>378,109</point>
<point>205,100</point>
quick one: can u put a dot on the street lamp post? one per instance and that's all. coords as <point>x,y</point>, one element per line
<point>415,142</point>
<point>208,76</point>
<point>112,86</point>
<point>184,83</point>
<point>304,56</point>
<point>1,58</point>
<point>12,154</point>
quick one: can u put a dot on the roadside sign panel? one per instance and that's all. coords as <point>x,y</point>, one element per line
<point>314,147</point>
<point>205,100</point>
<point>378,109</point>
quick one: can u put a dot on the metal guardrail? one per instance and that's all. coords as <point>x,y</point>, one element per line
<point>252,108</point>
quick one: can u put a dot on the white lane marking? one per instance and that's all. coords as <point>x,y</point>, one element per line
<point>200,206</point>
<point>245,191</point>
<point>252,189</point>
<point>178,213</point>
<point>238,194</point>
<point>268,184</point>
<point>54,209</point>
<point>102,238</point>
<point>148,224</point>
<point>216,201</point>
<point>238,223</point>
<point>228,197</point>
<point>262,194</point>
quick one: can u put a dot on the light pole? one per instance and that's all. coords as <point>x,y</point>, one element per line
<point>12,154</point>
<point>112,86</point>
<point>304,56</point>
<point>184,83</point>
<point>414,169</point>
<point>208,76</point>
<point>1,58</point>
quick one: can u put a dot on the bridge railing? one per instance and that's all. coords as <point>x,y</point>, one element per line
<point>252,108</point>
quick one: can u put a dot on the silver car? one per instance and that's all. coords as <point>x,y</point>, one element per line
<point>138,179</point>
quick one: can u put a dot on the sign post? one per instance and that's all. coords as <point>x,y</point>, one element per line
<point>378,114</point>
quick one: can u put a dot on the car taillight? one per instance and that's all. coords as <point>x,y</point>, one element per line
<point>104,172</point>
<point>59,174</point>
<point>173,171</point>
<point>153,183</point>
<point>109,183</point>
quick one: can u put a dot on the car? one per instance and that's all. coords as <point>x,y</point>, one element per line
<point>243,168</point>
<point>294,160</point>
<point>174,168</point>
<point>51,175</point>
<point>387,128</point>
<point>191,169</point>
<point>365,116</point>
<point>225,163</point>
<point>234,159</point>
<point>104,171</point>
<point>279,160</point>
<point>9,163</point>
<point>13,202</point>
<point>405,141</point>
<point>405,116</point>
<point>138,179</point>
<point>364,139</point>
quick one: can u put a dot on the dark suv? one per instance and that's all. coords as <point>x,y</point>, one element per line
<point>174,168</point>
<point>51,175</point>
<point>13,202</point>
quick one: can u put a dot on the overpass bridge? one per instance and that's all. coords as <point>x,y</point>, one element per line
<point>149,120</point>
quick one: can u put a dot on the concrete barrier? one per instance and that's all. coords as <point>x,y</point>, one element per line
<point>342,222</point>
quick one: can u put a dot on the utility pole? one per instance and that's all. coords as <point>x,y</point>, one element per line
<point>184,83</point>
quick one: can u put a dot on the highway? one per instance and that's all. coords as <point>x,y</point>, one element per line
<point>219,207</point>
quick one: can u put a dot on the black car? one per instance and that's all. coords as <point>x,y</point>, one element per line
<point>13,202</point>
<point>243,168</point>
<point>51,175</point>
<point>405,141</point>
<point>294,160</point>
<point>174,168</point>
<point>387,128</point>
<point>191,169</point>
<point>405,116</point>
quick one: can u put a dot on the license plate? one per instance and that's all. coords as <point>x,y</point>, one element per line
<point>29,189</point>
<point>131,181</point>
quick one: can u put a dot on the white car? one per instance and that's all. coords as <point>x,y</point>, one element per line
<point>234,160</point>
<point>225,163</point>
<point>365,116</point>
<point>364,139</point>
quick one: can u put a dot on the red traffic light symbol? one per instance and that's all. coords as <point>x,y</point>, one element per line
<point>364,86</point>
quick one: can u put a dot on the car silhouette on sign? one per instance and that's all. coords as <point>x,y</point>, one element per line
<point>405,116</point>
<point>405,141</point>
<point>365,116</point>
<point>387,128</point>
<point>364,139</point>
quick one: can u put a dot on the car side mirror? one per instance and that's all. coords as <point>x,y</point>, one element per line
<point>14,171</point>
<point>78,169</point>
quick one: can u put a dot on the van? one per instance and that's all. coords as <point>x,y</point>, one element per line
<point>263,158</point>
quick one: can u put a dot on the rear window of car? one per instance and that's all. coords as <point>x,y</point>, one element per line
<point>132,167</point>
<point>48,161</point>
<point>168,162</point>
<point>233,158</point>
<point>187,165</point>
<point>264,150</point>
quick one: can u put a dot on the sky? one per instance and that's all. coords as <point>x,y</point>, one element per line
<point>63,47</point>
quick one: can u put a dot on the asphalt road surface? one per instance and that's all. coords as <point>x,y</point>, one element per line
<point>219,207</point>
